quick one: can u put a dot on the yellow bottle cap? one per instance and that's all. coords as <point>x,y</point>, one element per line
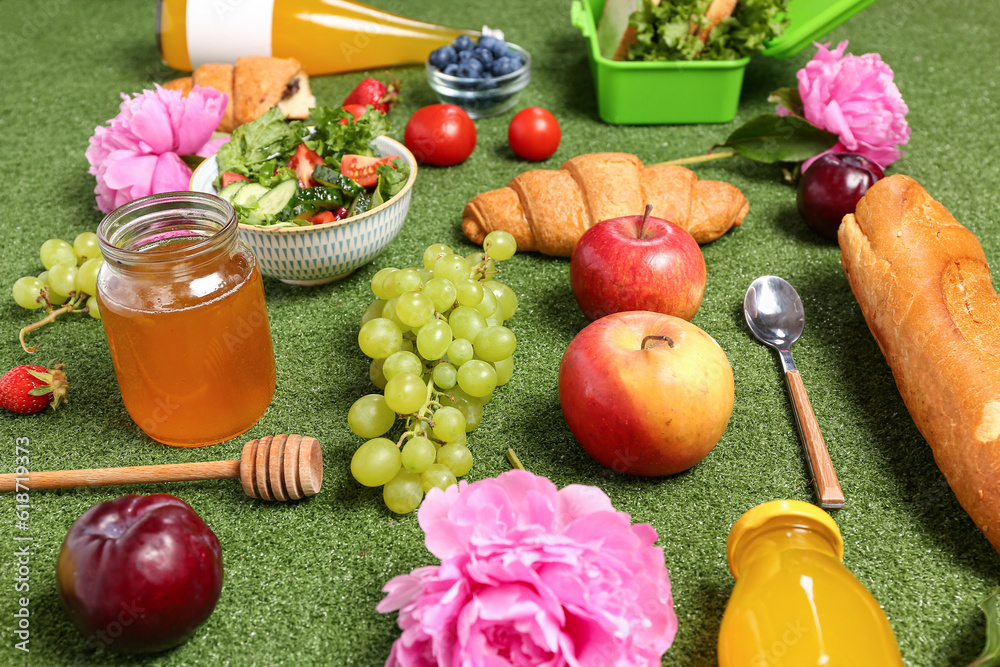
<point>777,513</point>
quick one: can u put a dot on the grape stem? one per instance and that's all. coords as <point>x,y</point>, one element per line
<point>76,299</point>
<point>419,416</point>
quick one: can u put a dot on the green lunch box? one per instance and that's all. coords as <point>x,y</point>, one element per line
<point>696,91</point>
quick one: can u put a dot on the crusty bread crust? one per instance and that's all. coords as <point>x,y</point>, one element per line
<point>923,284</point>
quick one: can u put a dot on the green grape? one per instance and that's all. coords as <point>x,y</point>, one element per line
<point>389,312</point>
<point>44,277</point>
<point>373,310</point>
<point>406,393</point>
<point>415,309</point>
<point>401,362</point>
<point>57,299</point>
<point>449,424</point>
<point>378,282</point>
<point>379,338</point>
<point>444,375</point>
<point>93,309</point>
<point>492,321</point>
<point>26,291</point>
<point>456,457</point>
<point>406,280</point>
<point>418,454</point>
<point>376,462</point>
<point>504,369</point>
<point>488,305</point>
<point>471,407</point>
<point>477,259</point>
<point>442,293</point>
<point>495,343</point>
<point>452,267</point>
<point>56,251</point>
<point>370,417</point>
<point>466,323</point>
<point>375,373</point>
<point>426,275</point>
<point>460,351</point>
<point>62,278</point>
<point>86,276</point>
<point>434,252</point>
<point>434,339</point>
<point>402,494</point>
<point>477,378</point>
<point>500,245</point>
<point>470,292</point>
<point>506,299</point>
<point>85,247</point>
<point>408,345</point>
<point>438,476</point>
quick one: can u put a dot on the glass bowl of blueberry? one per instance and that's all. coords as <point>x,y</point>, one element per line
<point>484,77</point>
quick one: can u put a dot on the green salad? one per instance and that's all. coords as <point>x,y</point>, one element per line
<point>281,173</point>
<point>669,30</point>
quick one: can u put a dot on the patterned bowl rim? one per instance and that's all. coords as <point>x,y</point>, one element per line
<point>398,147</point>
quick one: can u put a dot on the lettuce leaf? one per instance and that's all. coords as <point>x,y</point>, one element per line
<point>390,181</point>
<point>253,145</point>
<point>663,31</point>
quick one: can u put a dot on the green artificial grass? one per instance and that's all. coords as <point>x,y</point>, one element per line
<point>303,579</point>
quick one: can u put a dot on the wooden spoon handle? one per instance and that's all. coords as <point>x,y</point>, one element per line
<point>172,472</point>
<point>820,466</point>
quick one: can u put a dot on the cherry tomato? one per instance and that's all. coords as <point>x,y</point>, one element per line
<point>363,169</point>
<point>356,110</point>
<point>534,134</point>
<point>303,160</point>
<point>323,217</point>
<point>441,134</point>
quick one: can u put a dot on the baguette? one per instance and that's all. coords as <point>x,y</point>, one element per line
<point>923,284</point>
<point>548,210</point>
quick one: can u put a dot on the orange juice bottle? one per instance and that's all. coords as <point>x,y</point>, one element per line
<point>326,36</point>
<point>182,302</point>
<point>794,603</point>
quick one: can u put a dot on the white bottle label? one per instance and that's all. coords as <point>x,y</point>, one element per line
<point>219,31</point>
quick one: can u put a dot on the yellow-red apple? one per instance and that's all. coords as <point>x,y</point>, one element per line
<point>646,393</point>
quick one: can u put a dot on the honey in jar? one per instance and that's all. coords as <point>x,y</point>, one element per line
<point>182,302</point>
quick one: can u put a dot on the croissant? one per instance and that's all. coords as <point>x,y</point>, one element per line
<point>254,85</point>
<point>548,210</point>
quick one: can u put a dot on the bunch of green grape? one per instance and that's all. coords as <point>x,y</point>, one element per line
<point>69,279</point>
<point>439,347</point>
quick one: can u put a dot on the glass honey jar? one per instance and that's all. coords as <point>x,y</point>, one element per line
<point>182,303</point>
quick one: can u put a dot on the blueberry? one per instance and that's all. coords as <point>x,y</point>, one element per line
<point>486,83</point>
<point>499,48</point>
<point>502,66</point>
<point>485,56</point>
<point>466,56</point>
<point>451,70</point>
<point>487,42</point>
<point>463,43</point>
<point>517,58</point>
<point>470,69</point>
<point>443,57</point>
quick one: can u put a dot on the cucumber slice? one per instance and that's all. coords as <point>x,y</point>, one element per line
<point>230,190</point>
<point>277,197</point>
<point>249,194</point>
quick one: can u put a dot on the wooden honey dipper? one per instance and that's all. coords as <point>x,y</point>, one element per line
<point>278,467</point>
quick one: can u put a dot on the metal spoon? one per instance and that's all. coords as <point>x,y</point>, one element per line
<point>774,313</point>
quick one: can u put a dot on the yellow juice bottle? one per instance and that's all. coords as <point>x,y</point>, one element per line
<point>794,603</point>
<point>326,36</point>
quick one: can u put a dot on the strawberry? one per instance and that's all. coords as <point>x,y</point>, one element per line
<point>376,93</point>
<point>28,389</point>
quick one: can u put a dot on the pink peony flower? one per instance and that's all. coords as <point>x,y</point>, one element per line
<point>854,97</point>
<point>532,576</point>
<point>139,152</point>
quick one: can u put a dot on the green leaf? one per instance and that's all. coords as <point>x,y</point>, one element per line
<point>774,138</point>
<point>990,657</point>
<point>788,98</point>
<point>192,161</point>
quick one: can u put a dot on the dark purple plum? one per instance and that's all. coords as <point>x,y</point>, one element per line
<point>831,188</point>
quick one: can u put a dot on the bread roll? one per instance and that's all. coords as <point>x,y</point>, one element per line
<point>924,286</point>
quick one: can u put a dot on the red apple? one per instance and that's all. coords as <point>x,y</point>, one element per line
<point>139,573</point>
<point>646,393</point>
<point>637,263</point>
